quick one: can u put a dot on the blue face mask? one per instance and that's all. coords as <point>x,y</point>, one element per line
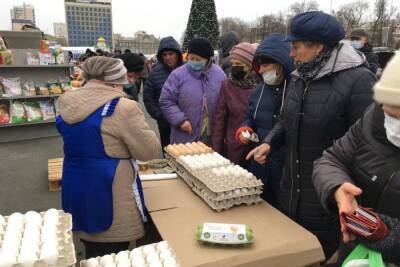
<point>197,65</point>
<point>356,44</point>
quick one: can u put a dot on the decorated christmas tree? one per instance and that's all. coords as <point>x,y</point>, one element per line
<point>202,22</point>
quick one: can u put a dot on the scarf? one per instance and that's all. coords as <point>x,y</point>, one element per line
<point>309,70</point>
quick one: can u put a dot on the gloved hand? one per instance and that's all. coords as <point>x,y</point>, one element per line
<point>389,246</point>
<point>240,138</point>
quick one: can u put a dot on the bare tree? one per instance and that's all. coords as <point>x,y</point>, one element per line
<point>303,6</point>
<point>383,14</point>
<point>351,14</point>
<point>237,25</point>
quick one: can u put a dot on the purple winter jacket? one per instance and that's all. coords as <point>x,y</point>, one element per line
<point>182,99</point>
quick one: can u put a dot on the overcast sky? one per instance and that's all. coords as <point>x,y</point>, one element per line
<point>159,17</point>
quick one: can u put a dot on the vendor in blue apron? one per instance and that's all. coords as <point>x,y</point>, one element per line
<point>103,134</point>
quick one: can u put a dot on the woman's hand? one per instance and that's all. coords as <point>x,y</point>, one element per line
<point>345,197</point>
<point>260,153</point>
<point>187,127</point>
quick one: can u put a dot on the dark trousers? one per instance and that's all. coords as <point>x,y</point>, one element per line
<point>95,249</point>
<point>165,133</point>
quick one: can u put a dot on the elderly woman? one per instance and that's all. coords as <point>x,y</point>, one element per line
<point>103,134</point>
<point>189,96</point>
<point>232,104</point>
<point>365,163</point>
<point>329,91</point>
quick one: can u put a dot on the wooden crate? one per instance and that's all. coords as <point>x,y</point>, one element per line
<point>55,173</point>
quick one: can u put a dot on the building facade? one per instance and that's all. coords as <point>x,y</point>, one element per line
<point>22,15</point>
<point>88,20</point>
<point>140,43</point>
<point>60,30</point>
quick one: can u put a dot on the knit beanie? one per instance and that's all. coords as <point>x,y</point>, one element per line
<point>133,62</point>
<point>201,47</point>
<point>387,89</point>
<point>106,69</point>
<point>244,52</point>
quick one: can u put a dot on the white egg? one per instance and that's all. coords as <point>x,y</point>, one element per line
<point>15,229</point>
<point>30,245</point>
<point>10,250</point>
<point>165,254</point>
<point>15,217</point>
<point>33,217</point>
<point>155,264</point>
<point>170,262</point>
<point>136,253</point>
<point>106,259</point>
<point>123,255</point>
<point>27,258</point>
<point>152,256</point>
<point>2,220</point>
<point>124,263</point>
<point>148,249</point>
<point>110,264</point>
<point>11,242</point>
<point>7,260</point>
<point>49,254</point>
<point>51,216</point>
<point>92,262</point>
<point>138,261</point>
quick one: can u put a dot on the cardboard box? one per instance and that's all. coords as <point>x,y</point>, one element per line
<point>176,211</point>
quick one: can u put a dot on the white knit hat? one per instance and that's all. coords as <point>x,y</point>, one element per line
<point>387,90</point>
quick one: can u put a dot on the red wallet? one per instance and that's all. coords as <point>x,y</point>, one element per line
<point>365,223</point>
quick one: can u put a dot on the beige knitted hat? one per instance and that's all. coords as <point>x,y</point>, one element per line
<point>106,69</point>
<point>387,90</point>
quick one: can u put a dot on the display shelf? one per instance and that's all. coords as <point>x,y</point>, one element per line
<point>26,123</point>
<point>36,66</point>
<point>30,97</point>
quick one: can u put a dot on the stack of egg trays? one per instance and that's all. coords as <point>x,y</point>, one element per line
<point>217,198</point>
<point>67,257</point>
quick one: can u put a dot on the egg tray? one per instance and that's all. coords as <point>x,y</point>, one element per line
<point>214,199</point>
<point>204,180</point>
<point>83,263</point>
<point>67,255</point>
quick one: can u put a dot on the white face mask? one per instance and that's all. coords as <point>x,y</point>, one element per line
<point>270,77</point>
<point>392,126</point>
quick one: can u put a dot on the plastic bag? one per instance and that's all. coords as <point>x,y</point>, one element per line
<point>12,86</point>
<point>54,88</point>
<point>41,89</point>
<point>17,112</point>
<point>362,256</point>
<point>33,113</point>
<point>65,84</point>
<point>4,113</point>
<point>47,109</point>
<point>28,89</point>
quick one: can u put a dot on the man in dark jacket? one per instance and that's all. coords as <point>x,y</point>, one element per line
<point>169,57</point>
<point>329,91</point>
<point>273,63</point>
<point>366,163</point>
<point>359,40</point>
<point>227,41</point>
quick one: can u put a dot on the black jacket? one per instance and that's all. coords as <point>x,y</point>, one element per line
<point>314,115</point>
<point>366,158</point>
<point>157,78</point>
<point>372,58</point>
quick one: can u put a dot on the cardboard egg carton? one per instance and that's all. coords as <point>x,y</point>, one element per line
<point>220,192</point>
<point>194,148</point>
<point>157,254</point>
<point>66,248</point>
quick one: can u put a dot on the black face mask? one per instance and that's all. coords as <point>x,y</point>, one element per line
<point>238,72</point>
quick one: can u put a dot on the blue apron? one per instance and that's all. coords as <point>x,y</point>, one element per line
<point>88,173</point>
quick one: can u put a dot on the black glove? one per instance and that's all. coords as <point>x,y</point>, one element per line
<point>389,246</point>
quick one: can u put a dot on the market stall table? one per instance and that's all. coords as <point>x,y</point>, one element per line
<point>176,211</point>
